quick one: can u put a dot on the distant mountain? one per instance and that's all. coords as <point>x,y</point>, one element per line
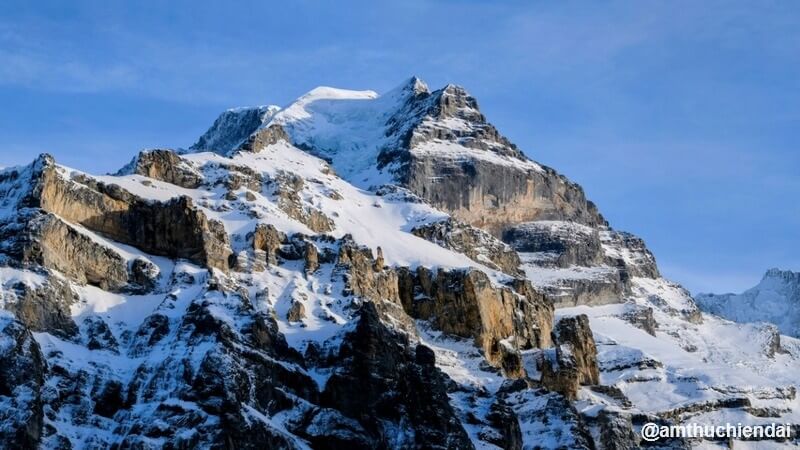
<point>352,271</point>
<point>775,299</point>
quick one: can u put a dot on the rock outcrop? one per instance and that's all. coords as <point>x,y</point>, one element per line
<point>478,245</point>
<point>502,320</point>
<point>574,360</point>
<point>233,127</point>
<point>52,243</point>
<point>385,386</point>
<point>484,190</point>
<point>42,307</point>
<point>558,244</point>
<point>287,189</point>
<point>465,303</point>
<point>22,376</point>
<point>164,165</point>
<point>175,228</point>
<point>267,239</point>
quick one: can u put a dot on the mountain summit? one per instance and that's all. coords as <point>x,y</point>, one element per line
<point>352,271</point>
<point>775,299</point>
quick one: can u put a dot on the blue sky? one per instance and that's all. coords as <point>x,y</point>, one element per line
<point>680,119</point>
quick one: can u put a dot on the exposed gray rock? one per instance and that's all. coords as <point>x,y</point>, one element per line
<point>548,417</point>
<point>629,254</point>
<point>560,244</point>
<point>381,384</point>
<point>45,307</point>
<point>574,361</point>
<point>164,165</point>
<point>599,288</point>
<point>175,228</point>
<point>232,128</point>
<point>642,317</point>
<point>22,376</point>
<point>616,431</point>
<point>144,275</point>
<point>505,430</point>
<point>97,335</point>
<point>478,245</point>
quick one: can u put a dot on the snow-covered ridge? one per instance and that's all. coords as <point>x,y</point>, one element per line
<point>325,302</point>
<point>233,126</point>
<point>775,299</point>
<point>352,129</point>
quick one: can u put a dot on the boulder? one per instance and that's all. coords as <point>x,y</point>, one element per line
<point>311,258</point>
<point>296,313</point>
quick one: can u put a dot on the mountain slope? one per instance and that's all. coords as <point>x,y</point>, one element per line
<point>774,299</point>
<point>352,271</point>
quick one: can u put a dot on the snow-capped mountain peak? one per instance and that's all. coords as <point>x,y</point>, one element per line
<point>775,299</point>
<point>353,271</point>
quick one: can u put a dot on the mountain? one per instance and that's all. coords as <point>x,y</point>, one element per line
<point>353,270</point>
<point>774,299</point>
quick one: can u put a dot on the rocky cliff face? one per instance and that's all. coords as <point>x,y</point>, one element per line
<point>173,228</point>
<point>352,271</point>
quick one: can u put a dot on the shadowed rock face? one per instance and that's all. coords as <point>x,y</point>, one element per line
<point>381,379</point>
<point>22,375</point>
<point>233,127</point>
<point>562,244</point>
<point>174,228</point>
<point>45,307</point>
